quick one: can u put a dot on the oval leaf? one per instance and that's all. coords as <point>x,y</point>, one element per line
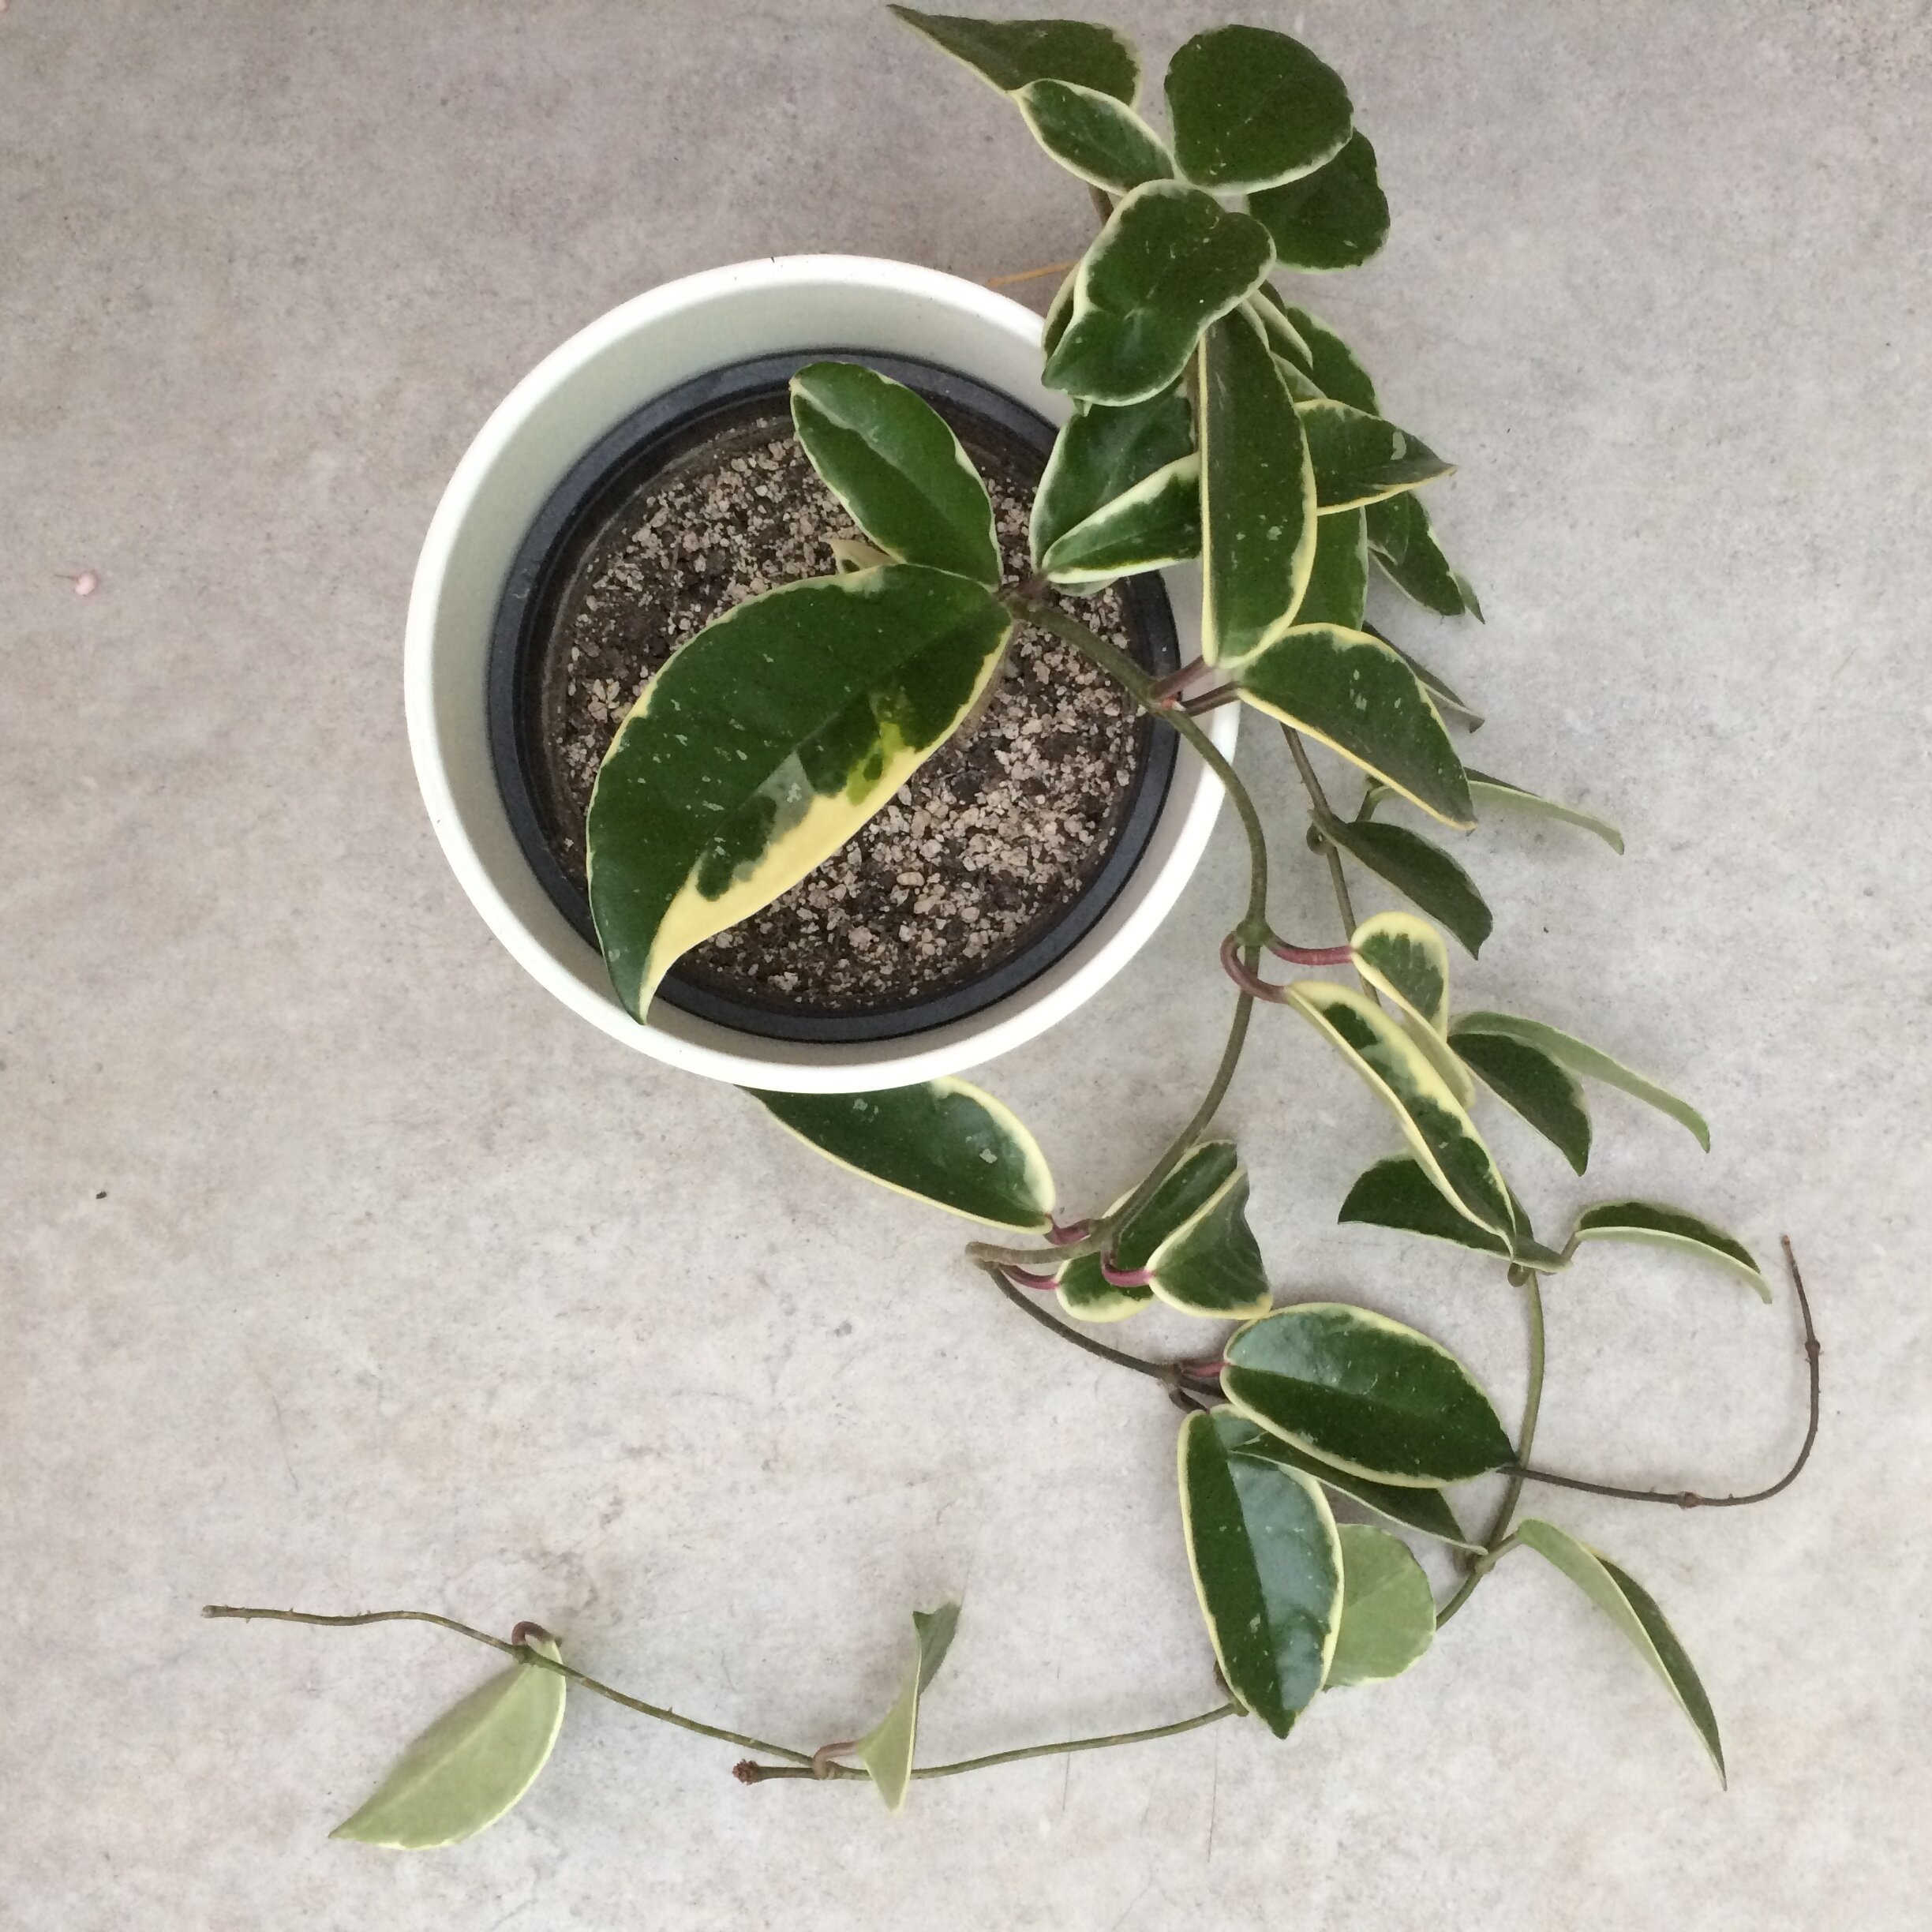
<point>1404,545</point>
<point>470,1766</point>
<point>1635,1612</point>
<point>765,743</point>
<point>1092,135</point>
<point>1398,1193</point>
<point>1155,523</point>
<point>1588,1063</point>
<point>1484,789</point>
<point>1099,454</point>
<point>1365,1393</point>
<point>886,1749</point>
<point>1433,1119</point>
<point>1414,1508</point>
<point>1338,585</point>
<point>1544,1093</point>
<point>1669,1227</point>
<point>1335,218</point>
<point>1417,868</point>
<point>1388,1610</point>
<point>1169,261</point>
<point>1267,1561</point>
<point>1357,696</point>
<point>1251,107</point>
<point>1258,523</point>
<point>943,1141</point>
<point>1336,369</point>
<point>1359,459</point>
<point>888,456</point>
<point>1012,54</point>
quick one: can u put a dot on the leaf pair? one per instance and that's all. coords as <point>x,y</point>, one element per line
<point>769,739</point>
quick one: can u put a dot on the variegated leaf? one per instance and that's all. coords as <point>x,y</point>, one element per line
<point>1404,958</point>
<point>1335,368</point>
<point>1251,107</point>
<point>1258,521</point>
<point>1670,1227</point>
<point>1399,1193</point>
<point>886,1749</point>
<point>1432,1119</point>
<point>1284,338</point>
<point>1388,1610</point>
<point>1335,218</point>
<point>1543,1091</point>
<point>765,743</point>
<point>848,554</point>
<point>1092,135</point>
<point>943,1141</point>
<point>1059,313</point>
<point>1417,868</point>
<point>1155,523</point>
<point>1404,543</point>
<point>1338,585</point>
<point>1099,454</point>
<point>1360,459</point>
<point>1011,55</point>
<point>1358,697</point>
<point>1169,261</point>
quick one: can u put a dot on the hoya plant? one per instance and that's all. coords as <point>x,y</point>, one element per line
<point>1212,416</point>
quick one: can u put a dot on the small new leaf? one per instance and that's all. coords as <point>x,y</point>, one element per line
<point>1094,135</point>
<point>1388,1610</point>
<point>1335,218</point>
<point>886,1750</point>
<point>1670,1227</point>
<point>1635,1612</point>
<point>470,1766</point>
<point>1011,55</point>
<point>943,1141</point>
<point>1251,107</point>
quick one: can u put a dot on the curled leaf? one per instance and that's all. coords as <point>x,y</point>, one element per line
<point>886,1749</point>
<point>1670,1227</point>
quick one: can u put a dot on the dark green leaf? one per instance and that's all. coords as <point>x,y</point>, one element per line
<point>1335,218</point>
<point>1388,1610</point>
<point>764,744</point>
<point>1421,870</point>
<point>1355,695</point>
<point>1092,135</point>
<point>1337,370</point>
<point>1257,493</point>
<point>886,1749</point>
<point>1485,788</point>
<point>1251,107</point>
<point>1012,54</point>
<point>888,456</point>
<point>1155,523</point>
<point>1589,1063</point>
<point>1338,586</point>
<point>1397,1193</point>
<point>1359,459</point>
<point>1634,1612</point>
<point>1545,1094</point>
<point>1404,543</point>
<point>1169,261</point>
<point>1670,1227</point>
<point>1267,1566</point>
<point>1059,313</point>
<point>1101,454</point>
<point>1365,1393</point>
<point>1284,338</point>
<point>1414,1507</point>
<point>943,1141</point>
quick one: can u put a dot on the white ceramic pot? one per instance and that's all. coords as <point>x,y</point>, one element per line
<point>570,400</point>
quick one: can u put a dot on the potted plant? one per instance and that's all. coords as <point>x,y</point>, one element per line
<point>1212,417</point>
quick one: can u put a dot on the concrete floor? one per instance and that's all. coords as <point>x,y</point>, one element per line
<point>343,1269</point>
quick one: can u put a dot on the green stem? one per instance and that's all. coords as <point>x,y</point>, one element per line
<point>1499,1540</point>
<point>760,1774</point>
<point>1173,1374</point>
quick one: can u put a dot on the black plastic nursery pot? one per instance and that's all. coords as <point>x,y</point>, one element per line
<point>1004,850</point>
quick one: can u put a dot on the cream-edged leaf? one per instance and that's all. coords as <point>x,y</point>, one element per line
<point>1635,1612</point>
<point>1544,1092</point>
<point>1284,338</point>
<point>1251,107</point>
<point>1417,868</point>
<point>1338,372</point>
<point>1099,454</point>
<point>1388,1610</point>
<point>1011,55</point>
<point>850,553</point>
<point>943,1141</point>
<point>1404,957</point>
<point>1404,543</point>
<point>1335,218</point>
<point>1670,1227</point>
<point>1360,459</point>
<point>1094,135</point>
<point>1059,313</point>
<point>470,1766</point>
<point>1338,585</point>
<point>886,1749</point>
<point>1149,525</point>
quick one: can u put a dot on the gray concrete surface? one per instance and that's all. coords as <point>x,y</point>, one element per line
<point>343,1270</point>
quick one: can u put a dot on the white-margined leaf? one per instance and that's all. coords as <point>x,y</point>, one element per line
<point>1404,958</point>
<point>1251,107</point>
<point>1361,459</point>
<point>1337,370</point>
<point>1670,1227</point>
<point>1155,523</point>
<point>1335,218</point>
<point>1094,135</point>
<point>1011,55</point>
<point>1100,454</point>
<point>1338,585</point>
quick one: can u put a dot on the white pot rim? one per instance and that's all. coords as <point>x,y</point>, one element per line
<point>618,362</point>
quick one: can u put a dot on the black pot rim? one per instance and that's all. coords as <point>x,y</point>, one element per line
<point>614,465</point>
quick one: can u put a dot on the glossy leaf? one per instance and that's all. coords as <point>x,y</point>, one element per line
<point>1404,545</point>
<point>1267,1561</point>
<point>1589,1063</point>
<point>1355,695</point>
<point>1335,218</point>
<point>1635,1612</point>
<point>1360,459</point>
<point>886,1750</point>
<point>1398,1193</point>
<point>1251,107</point>
<point>1419,870</point>
<point>1544,1092</point>
<point>1284,338</point>
<point>765,743</point>
<point>1169,261</point>
<point>1155,523</point>
<point>470,1766</point>
<point>1399,1072</point>
<point>1258,523</point>
<point>1414,1507</point>
<point>1337,370</point>
<point>1365,1393</point>
<point>1487,790</point>
<point>888,456</point>
<point>943,1141</point>
<point>1059,313</point>
<point>1099,454</point>
<point>1338,585</point>
<point>1012,54</point>
<point>1094,135</point>
<point>1404,957</point>
<point>1388,1610</point>
<point>1670,1227</point>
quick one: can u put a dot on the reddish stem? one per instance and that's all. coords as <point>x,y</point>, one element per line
<point>1123,1277</point>
<point>1166,690</point>
<point>1251,984</point>
<point>1061,1237</point>
<point>1025,1278</point>
<point>1310,955</point>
